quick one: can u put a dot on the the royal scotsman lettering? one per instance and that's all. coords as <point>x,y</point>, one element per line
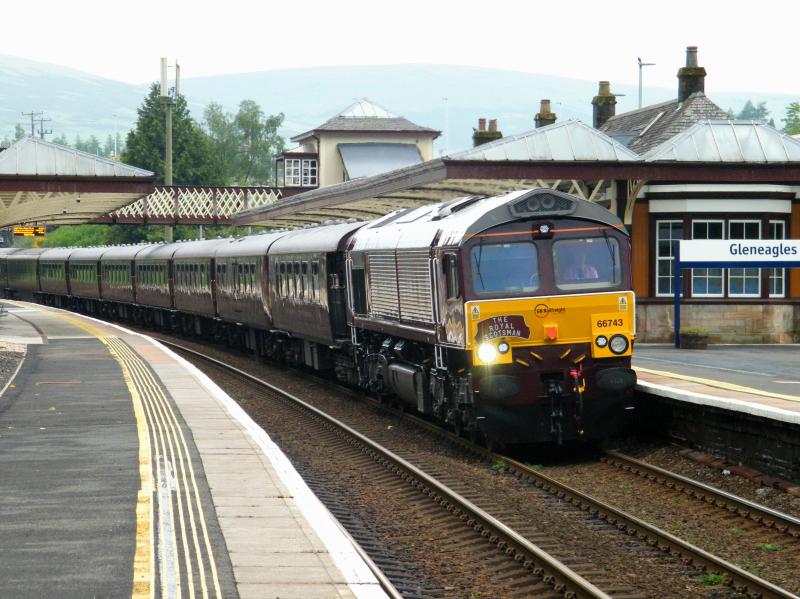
<point>503,326</point>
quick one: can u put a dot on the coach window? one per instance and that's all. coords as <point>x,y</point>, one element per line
<point>306,287</point>
<point>452,281</point>
<point>315,280</point>
<point>295,280</point>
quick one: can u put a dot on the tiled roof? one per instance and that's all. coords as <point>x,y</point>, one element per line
<point>645,128</point>
<point>364,115</point>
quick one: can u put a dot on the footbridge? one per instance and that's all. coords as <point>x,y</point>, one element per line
<point>188,205</point>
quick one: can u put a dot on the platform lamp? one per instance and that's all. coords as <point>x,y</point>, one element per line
<point>642,64</point>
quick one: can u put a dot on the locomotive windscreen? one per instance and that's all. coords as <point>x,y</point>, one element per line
<point>505,267</point>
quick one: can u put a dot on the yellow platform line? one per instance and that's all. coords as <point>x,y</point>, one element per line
<point>187,476</point>
<point>717,384</point>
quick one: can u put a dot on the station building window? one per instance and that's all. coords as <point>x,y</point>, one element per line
<point>667,233</point>
<point>718,282</point>
<point>776,277</point>
<point>744,282</point>
<point>300,172</point>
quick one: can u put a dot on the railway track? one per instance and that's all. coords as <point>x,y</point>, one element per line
<point>739,581</point>
<point>523,569</point>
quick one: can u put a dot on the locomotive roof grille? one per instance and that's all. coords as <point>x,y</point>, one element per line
<point>542,204</point>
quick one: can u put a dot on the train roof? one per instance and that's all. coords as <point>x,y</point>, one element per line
<point>459,219</point>
<point>6,251</point>
<point>315,239</point>
<point>27,254</point>
<point>158,251</point>
<point>87,253</point>
<point>201,248</point>
<point>125,252</point>
<point>56,254</point>
<point>252,245</point>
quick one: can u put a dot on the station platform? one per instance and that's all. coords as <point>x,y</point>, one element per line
<point>126,472</point>
<point>760,380</point>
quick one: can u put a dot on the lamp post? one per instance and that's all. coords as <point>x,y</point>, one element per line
<point>167,101</point>
<point>642,64</point>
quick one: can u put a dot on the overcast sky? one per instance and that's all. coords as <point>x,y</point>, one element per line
<point>743,45</point>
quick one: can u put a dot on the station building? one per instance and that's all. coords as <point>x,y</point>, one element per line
<point>674,170</point>
<point>738,304</point>
<point>362,140</point>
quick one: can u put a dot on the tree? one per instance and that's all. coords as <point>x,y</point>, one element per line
<point>193,159</point>
<point>245,144</point>
<point>260,142</point>
<point>750,112</point>
<point>19,132</point>
<point>61,140</point>
<point>224,139</point>
<point>792,120</point>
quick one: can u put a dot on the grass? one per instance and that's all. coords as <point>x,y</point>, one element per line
<point>499,465</point>
<point>711,580</point>
<point>535,467</point>
<point>769,546</point>
<point>737,531</point>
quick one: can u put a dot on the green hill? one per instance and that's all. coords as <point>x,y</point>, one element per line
<point>82,104</point>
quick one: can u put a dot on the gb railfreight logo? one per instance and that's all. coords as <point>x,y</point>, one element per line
<point>543,310</point>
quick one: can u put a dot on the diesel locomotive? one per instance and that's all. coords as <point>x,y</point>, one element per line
<point>509,318</point>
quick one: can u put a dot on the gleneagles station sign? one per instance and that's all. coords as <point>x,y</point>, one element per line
<point>730,253</point>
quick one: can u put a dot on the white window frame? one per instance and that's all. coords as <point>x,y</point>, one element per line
<point>695,274</point>
<point>292,171</point>
<point>668,259</point>
<point>309,172</point>
<point>746,272</point>
<point>776,274</point>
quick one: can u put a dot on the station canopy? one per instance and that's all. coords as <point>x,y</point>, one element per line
<point>43,182</point>
<point>728,141</point>
<point>488,169</point>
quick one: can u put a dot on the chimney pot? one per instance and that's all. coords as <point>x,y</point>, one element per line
<point>604,105</point>
<point>691,78</point>
<point>545,116</point>
<point>482,136</point>
<point>691,56</point>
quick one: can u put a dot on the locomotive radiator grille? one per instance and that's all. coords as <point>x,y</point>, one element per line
<point>383,284</point>
<point>414,272</point>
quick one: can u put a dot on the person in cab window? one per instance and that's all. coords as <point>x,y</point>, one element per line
<point>578,269</point>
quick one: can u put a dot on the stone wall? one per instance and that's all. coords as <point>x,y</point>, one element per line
<point>725,322</point>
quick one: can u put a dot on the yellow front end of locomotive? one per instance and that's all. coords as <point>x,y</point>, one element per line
<point>607,321</point>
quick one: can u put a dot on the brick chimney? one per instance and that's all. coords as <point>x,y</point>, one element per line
<point>604,105</point>
<point>545,116</point>
<point>481,135</point>
<point>691,78</point>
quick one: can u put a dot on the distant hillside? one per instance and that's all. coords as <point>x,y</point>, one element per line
<point>83,104</point>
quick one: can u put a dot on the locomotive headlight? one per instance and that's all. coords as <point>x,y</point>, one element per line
<point>601,341</point>
<point>618,344</point>
<point>503,347</point>
<point>487,353</point>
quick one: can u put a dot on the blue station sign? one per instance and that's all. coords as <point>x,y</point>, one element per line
<point>729,253</point>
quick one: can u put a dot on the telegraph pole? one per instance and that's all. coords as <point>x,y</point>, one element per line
<point>41,120</point>
<point>33,116</point>
<point>168,102</point>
